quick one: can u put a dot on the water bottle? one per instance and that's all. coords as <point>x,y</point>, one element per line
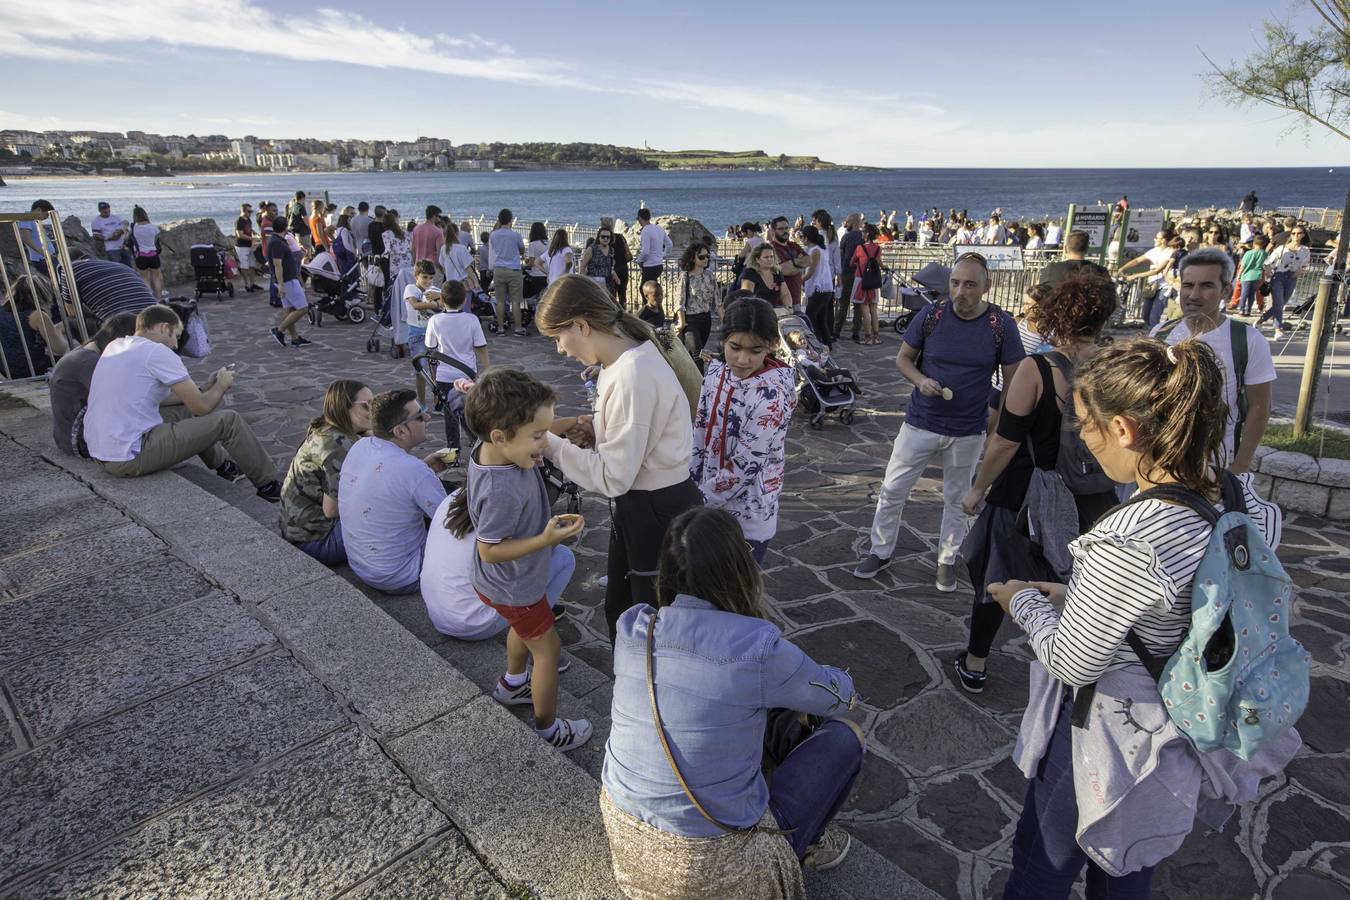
<point>590,394</point>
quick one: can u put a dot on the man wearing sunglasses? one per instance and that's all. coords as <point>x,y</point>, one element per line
<point>386,495</point>
<point>949,354</point>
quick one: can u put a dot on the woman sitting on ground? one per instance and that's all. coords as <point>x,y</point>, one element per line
<point>309,496</point>
<point>704,683</point>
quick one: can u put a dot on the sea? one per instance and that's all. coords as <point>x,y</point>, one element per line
<point>717,199</point>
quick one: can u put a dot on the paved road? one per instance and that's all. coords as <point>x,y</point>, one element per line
<point>939,795</point>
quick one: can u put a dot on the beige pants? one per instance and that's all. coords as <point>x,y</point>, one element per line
<point>209,437</point>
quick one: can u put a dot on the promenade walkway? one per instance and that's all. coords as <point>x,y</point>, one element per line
<point>231,717</point>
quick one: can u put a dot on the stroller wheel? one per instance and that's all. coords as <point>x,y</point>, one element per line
<point>373,345</point>
<point>356,315</point>
<point>807,400</point>
<point>846,415</point>
<point>902,322</point>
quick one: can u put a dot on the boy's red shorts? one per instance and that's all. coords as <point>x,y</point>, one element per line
<point>528,622</point>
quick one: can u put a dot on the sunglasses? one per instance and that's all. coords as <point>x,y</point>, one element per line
<point>701,256</point>
<point>422,415</point>
<point>603,237</point>
<point>976,258</point>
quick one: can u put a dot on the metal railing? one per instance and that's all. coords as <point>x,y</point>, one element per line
<point>64,305</point>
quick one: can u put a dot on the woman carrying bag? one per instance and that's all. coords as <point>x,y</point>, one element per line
<point>706,692</point>
<point>697,291</point>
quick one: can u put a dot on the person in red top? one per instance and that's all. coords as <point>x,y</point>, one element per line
<point>428,238</point>
<point>788,253</point>
<point>866,297</point>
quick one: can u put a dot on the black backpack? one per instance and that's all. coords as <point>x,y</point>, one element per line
<point>1075,464</point>
<point>871,273</point>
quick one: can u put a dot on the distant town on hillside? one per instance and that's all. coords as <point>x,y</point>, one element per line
<point>140,152</point>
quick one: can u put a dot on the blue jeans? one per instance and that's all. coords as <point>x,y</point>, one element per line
<point>812,781</point>
<point>1046,857</point>
<point>1153,308</point>
<point>1281,288</point>
<point>329,550</point>
<point>757,550</point>
<point>1250,296</point>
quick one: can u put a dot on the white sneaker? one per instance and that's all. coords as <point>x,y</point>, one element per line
<point>603,581</point>
<point>569,735</point>
<point>506,695</point>
<point>1278,335</point>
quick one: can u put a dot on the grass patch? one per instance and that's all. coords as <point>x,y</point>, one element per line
<point>1318,442</point>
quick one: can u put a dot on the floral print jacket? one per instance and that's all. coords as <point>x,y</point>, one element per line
<point>739,434</point>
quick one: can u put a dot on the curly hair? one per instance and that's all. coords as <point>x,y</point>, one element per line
<point>1077,309</point>
<point>505,399</point>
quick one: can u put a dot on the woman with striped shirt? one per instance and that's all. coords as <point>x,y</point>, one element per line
<point>1120,793</point>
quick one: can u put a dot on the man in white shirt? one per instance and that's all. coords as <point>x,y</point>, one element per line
<point>386,495</point>
<point>1054,234</point>
<point>994,233</point>
<point>458,334</point>
<point>1206,278</point>
<point>113,229</point>
<point>654,246</point>
<point>131,433</point>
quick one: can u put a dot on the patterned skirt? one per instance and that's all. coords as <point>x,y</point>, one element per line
<point>650,864</point>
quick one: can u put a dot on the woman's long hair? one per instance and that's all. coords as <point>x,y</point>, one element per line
<point>704,555</point>
<point>337,407</point>
<point>1174,394</point>
<point>575,298</point>
<point>560,240</point>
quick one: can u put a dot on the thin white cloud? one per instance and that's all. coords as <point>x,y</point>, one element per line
<point>329,35</point>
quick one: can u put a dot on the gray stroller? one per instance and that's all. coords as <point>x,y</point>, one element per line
<point>930,284</point>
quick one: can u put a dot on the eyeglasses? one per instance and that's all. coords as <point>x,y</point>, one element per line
<point>422,415</point>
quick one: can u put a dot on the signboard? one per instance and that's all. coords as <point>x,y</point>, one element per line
<point>1142,226</point>
<point>1095,220</point>
<point>1000,258</point>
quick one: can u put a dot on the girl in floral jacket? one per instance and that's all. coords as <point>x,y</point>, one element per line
<point>741,425</point>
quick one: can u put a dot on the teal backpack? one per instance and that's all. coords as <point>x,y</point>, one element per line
<point>1238,681</point>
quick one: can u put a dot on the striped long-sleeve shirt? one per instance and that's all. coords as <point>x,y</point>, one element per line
<point>1133,570</point>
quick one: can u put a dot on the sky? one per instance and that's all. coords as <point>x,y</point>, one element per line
<point>898,84</point>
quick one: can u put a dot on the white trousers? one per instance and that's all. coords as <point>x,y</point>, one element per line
<point>914,450</point>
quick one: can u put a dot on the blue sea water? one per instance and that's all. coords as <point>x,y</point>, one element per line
<point>715,198</point>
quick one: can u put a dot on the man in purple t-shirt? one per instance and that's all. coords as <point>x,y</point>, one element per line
<point>950,352</point>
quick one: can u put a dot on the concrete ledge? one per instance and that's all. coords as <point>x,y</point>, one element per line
<point>535,815</point>
<point>394,680</point>
<point>1301,483</point>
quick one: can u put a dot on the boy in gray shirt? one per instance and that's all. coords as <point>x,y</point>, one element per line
<point>518,552</point>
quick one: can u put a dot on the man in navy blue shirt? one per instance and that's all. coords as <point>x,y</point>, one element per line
<point>950,352</point>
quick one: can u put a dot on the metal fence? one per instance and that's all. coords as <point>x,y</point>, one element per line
<point>33,316</point>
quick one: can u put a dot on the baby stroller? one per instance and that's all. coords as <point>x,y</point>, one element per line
<point>823,387</point>
<point>208,267</point>
<point>340,294</point>
<point>932,283</point>
<point>424,365</point>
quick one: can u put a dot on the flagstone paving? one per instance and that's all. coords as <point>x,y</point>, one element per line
<point>939,795</point>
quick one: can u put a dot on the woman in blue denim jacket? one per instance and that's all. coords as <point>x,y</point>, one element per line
<point>732,694</point>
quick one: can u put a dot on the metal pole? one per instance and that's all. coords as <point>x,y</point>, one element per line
<point>67,266</point>
<point>1323,312</point>
<point>28,272</point>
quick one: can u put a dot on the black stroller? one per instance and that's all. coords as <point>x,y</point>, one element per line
<point>424,365</point>
<point>932,283</point>
<point>341,295</point>
<point>208,267</point>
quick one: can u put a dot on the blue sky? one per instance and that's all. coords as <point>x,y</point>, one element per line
<point>889,84</point>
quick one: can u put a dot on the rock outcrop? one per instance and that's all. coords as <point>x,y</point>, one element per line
<point>175,239</point>
<point>683,231</point>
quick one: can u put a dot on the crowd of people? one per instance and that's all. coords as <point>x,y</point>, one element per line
<point>1081,481</point>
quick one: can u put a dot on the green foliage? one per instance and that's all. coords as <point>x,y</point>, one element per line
<point>1306,76</point>
<point>1323,443</point>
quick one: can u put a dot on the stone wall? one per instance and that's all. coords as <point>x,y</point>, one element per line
<point>1301,483</point>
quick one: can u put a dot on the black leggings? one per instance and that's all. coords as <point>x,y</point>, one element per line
<point>697,327</point>
<point>640,519</point>
<point>985,619</point>
<point>820,313</point>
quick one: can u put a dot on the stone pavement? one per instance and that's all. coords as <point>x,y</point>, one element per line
<point>939,797</point>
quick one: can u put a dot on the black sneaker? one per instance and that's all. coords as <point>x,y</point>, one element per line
<point>870,565</point>
<point>271,492</point>
<point>230,472</point>
<point>971,681</point>
<point>279,336</point>
<point>300,341</point>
